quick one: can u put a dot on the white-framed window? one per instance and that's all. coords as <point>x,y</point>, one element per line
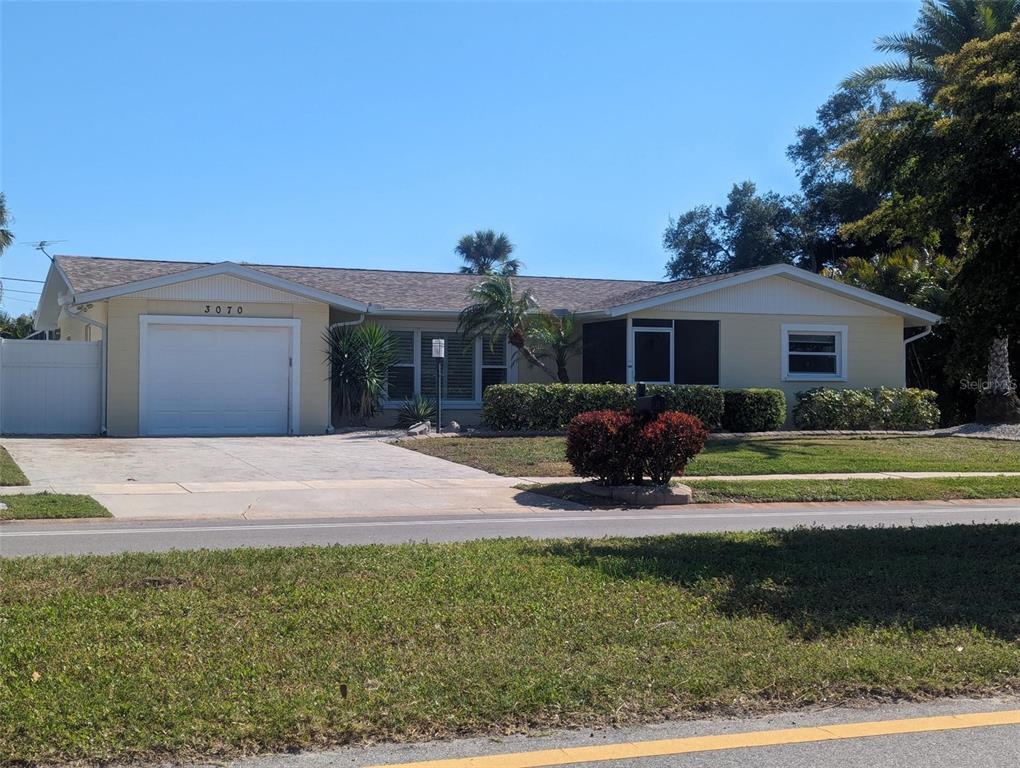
<point>495,361</point>
<point>468,368</point>
<point>814,352</point>
<point>400,379</point>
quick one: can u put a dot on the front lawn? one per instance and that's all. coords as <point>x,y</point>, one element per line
<point>912,489</point>
<point>190,655</point>
<point>38,506</point>
<point>545,456</point>
<point>10,472</point>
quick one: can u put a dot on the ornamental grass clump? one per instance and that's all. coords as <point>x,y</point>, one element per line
<point>624,447</point>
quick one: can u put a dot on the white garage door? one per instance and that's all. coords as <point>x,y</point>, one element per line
<point>215,379</point>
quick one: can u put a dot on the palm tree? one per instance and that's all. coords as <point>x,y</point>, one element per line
<point>497,308</point>
<point>943,27</point>
<point>556,333</point>
<point>6,236</point>
<point>998,402</point>
<point>486,253</point>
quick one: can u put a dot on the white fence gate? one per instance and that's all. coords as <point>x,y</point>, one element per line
<point>50,387</point>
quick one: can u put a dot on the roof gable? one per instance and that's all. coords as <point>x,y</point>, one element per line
<point>837,294</point>
<point>202,271</point>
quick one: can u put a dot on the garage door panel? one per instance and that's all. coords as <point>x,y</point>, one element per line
<point>217,380</point>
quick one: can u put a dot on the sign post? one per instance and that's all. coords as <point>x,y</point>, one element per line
<point>438,353</point>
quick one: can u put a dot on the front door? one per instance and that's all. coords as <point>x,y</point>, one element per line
<point>653,355</point>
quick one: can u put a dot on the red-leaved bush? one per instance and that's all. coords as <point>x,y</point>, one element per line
<point>620,447</point>
<point>668,442</point>
<point>603,445</point>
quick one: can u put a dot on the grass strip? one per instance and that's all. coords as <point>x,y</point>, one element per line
<point>893,489</point>
<point>210,654</point>
<point>10,472</point>
<point>44,506</point>
<point>546,456</point>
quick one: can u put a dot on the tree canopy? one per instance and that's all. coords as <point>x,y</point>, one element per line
<point>942,28</point>
<point>751,230</point>
<point>955,163</point>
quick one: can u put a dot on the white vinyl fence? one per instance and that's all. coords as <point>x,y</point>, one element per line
<point>50,387</point>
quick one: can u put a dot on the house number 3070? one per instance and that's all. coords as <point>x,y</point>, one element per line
<point>223,309</point>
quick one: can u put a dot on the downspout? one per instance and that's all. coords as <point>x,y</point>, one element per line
<point>330,429</point>
<point>345,323</point>
<point>72,311</point>
<point>927,330</point>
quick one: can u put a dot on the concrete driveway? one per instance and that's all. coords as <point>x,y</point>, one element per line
<point>261,477</point>
<point>89,461</point>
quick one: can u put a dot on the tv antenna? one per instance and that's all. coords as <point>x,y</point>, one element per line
<point>42,245</point>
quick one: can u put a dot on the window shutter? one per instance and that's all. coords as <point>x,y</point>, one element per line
<point>696,351</point>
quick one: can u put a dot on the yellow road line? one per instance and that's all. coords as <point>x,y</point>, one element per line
<point>660,747</point>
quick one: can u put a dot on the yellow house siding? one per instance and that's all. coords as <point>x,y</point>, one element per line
<point>123,353</point>
<point>74,329</point>
<point>751,349</point>
<point>532,374</point>
<point>122,366</point>
<point>315,414</point>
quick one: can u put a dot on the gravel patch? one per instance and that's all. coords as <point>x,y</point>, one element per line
<point>986,431</point>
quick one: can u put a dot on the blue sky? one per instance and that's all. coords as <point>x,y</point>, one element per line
<point>374,135</point>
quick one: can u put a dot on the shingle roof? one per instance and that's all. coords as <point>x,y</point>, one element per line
<point>654,290</point>
<point>383,288</point>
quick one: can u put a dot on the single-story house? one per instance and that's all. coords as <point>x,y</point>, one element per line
<point>227,348</point>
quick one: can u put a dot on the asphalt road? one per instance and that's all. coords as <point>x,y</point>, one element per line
<point>53,537</point>
<point>996,746</point>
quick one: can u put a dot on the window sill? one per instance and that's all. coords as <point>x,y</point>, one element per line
<point>448,405</point>
<point>811,377</point>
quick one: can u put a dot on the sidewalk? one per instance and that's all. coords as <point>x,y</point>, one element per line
<point>268,499</point>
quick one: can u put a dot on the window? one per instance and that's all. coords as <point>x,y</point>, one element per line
<point>469,367</point>
<point>814,352</point>
<point>653,352</point>
<point>459,367</point>
<point>494,361</point>
<point>400,377</point>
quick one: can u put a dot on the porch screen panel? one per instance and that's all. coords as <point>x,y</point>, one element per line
<point>459,367</point>
<point>604,352</point>
<point>696,352</point>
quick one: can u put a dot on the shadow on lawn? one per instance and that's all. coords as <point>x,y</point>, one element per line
<point>822,581</point>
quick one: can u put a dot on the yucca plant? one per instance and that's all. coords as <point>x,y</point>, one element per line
<point>359,358</point>
<point>416,409</point>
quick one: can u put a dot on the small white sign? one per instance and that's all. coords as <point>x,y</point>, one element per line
<point>438,347</point>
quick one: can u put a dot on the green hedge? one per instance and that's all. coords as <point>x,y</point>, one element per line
<point>549,407</point>
<point>882,408</point>
<point>753,410</point>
